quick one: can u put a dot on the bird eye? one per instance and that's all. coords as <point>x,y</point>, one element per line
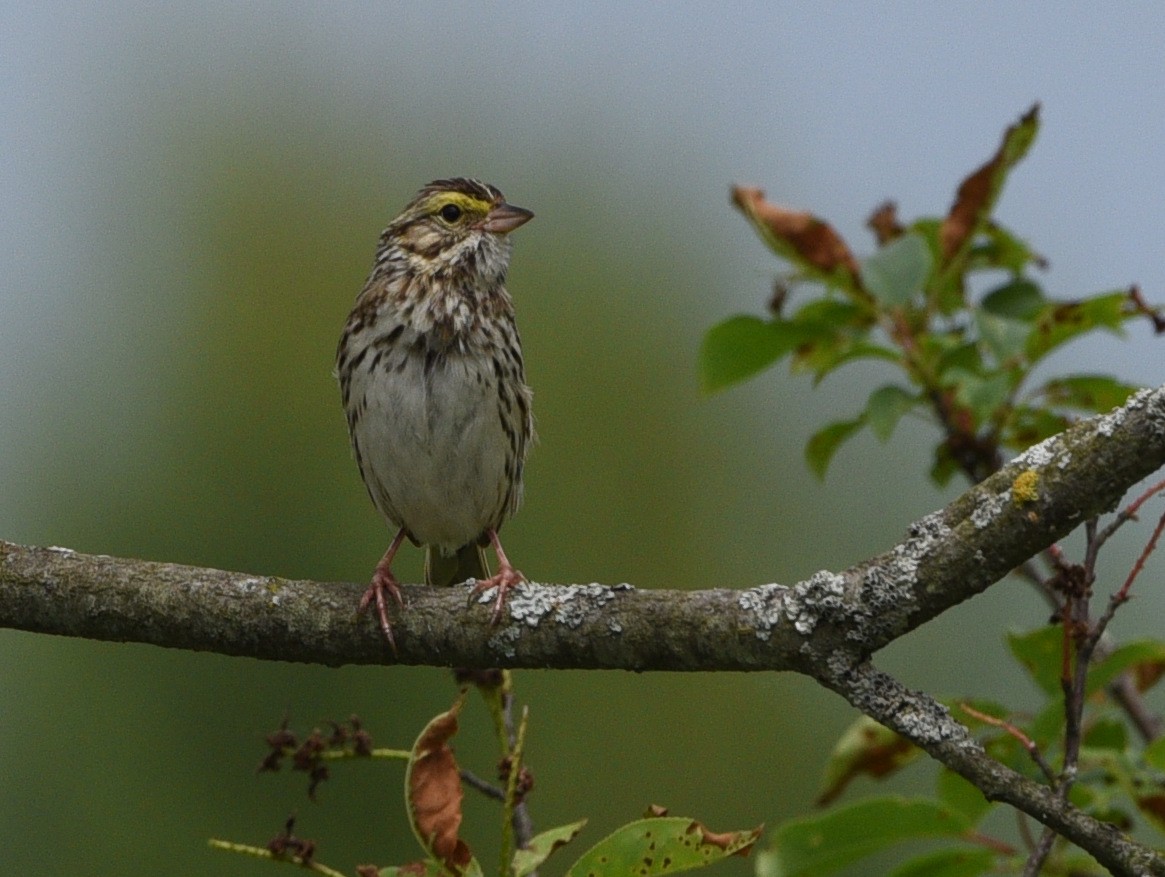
<point>451,213</point>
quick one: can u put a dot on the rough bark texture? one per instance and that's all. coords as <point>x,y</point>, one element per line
<point>826,627</point>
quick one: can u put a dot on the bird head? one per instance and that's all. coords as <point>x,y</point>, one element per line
<point>457,224</point>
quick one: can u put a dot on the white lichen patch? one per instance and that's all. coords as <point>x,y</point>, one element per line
<point>503,640</point>
<point>988,507</point>
<point>924,537</point>
<point>819,596</point>
<point>765,603</point>
<point>1038,456</point>
<point>927,723</point>
<point>57,549</point>
<point>1109,423</point>
<point>570,605</point>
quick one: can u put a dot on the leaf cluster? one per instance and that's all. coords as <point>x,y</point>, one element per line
<point>951,304</point>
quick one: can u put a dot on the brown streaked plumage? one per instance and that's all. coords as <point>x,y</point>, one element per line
<point>433,384</point>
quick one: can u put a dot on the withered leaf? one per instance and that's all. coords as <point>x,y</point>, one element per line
<point>883,222</point>
<point>978,192</point>
<point>433,792</point>
<point>798,236</point>
<point>735,843</point>
<point>866,748</point>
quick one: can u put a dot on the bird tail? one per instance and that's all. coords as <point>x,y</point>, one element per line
<point>468,562</point>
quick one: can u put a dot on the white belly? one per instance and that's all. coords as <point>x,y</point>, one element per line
<point>433,449</point>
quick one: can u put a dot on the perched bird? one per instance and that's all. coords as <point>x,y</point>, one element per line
<point>430,368</point>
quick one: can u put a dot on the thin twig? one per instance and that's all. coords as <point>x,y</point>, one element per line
<point>1123,594</point>
<point>487,788</point>
<point>1128,513</point>
<point>1039,854</point>
<point>1024,740</point>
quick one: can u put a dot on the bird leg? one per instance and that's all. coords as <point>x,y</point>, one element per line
<point>504,579</point>
<point>384,582</point>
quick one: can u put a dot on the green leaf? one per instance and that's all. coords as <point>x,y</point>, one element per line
<point>1107,733</point>
<point>824,443</point>
<point>824,843</point>
<point>1029,426</point>
<point>1154,754</point>
<point>835,332</point>
<point>1094,393</point>
<point>1001,249</point>
<point>1046,728</point>
<point>833,313</point>
<point>542,845</point>
<point>823,360</point>
<point>1060,322</point>
<point>1145,655</point>
<point>866,747</point>
<point>1003,336</point>
<point>741,346</point>
<point>961,796</point>
<point>424,868</point>
<point>1018,300</point>
<point>945,466</point>
<point>885,408</point>
<point>954,862</point>
<point>965,356</point>
<point>898,271</point>
<point>1039,652</point>
<point>983,394</point>
<point>663,845</point>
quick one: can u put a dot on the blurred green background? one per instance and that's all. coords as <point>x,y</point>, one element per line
<point>192,198</point>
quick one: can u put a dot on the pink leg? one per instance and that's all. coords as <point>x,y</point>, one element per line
<point>504,579</point>
<point>384,582</point>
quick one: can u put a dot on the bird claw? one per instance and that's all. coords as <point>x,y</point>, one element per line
<point>383,582</point>
<point>505,579</point>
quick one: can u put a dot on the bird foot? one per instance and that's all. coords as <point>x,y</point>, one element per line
<point>505,580</point>
<point>384,584</point>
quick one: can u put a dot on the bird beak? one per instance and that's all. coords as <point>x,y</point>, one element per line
<point>504,218</point>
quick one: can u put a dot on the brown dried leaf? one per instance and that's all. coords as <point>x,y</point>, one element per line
<point>1153,806</point>
<point>800,237</point>
<point>866,748</point>
<point>433,792</point>
<point>740,842</point>
<point>978,192</point>
<point>883,222</point>
<point>1147,674</point>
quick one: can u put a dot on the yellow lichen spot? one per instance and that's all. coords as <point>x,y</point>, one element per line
<point>1025,488</point>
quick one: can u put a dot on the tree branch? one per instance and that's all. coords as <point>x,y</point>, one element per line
<point>825,627</point>
<point>947,557</point>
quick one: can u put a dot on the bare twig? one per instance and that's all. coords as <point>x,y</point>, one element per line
<point>1024,740</point>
